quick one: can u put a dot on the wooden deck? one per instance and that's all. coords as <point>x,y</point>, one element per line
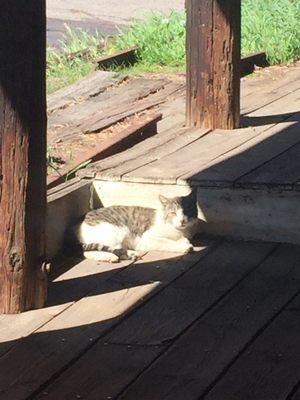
<point>248,179</point>
<point>222,323</point>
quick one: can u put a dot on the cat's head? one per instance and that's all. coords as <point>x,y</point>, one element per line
<point>179,211</point>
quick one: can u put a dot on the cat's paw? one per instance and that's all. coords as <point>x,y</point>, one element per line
<point>133,255</point>
<point>113,258</point>
<point>101,256</point>
<point>185,246</point>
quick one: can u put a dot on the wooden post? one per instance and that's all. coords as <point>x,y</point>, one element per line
<point>213,63</point>
<point>22,154</point>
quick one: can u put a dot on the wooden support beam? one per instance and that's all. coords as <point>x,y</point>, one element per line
<point>213,63</point>
<point>22,155</point>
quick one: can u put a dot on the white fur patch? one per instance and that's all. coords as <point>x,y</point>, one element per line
<point>104,233</point>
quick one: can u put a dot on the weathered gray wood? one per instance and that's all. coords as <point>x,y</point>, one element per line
<point>173,310</point>
<point>202,353</point>
<point>36,359</point>
<point>138,151</point>
<point>283,169</point>
<point>253,154</point>
<point>261,91</point>
<point>168,313</point>
<point>270,121</point>
<point>110,369</point>
<point>162,148</point>
<point>13,328</point>
<point>269,368</point>
<point>83,89</point>
<point>105,102</point>
<point>120,112</point>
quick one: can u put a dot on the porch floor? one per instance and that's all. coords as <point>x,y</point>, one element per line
<point>262,153</point>
<point>222,323</point>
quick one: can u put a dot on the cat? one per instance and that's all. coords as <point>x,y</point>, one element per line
<point>116,233</point>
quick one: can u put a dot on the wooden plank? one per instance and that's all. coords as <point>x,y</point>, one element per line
<point>123,58</point>
<point>269,368</point>
<point>202,353</point>
<point>121,364</point>
<point>23,282</point>
<point>237,165</point>
<point>213,42</point>
<point>187,162</point>
<point>36,359</point>
<point>156,153</point>
<point>97,122</point>
<point>155,329</point>
<point>249,62</point>
<point>137,151</point>
<point>61,295</point>
<point>244,149</point>
<point>92,85</point>
<point>279,84</point>
<point>103,103</point>
<point>174,109</point>
<point>173,310</point>
<point>281,170</point>
<point>137,131</point>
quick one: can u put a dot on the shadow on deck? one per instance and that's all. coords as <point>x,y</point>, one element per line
<point>205,325</point>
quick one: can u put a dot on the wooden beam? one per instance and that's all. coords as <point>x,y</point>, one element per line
<point>213,63</point>
<point>22,155</point>
<point>249,62</point>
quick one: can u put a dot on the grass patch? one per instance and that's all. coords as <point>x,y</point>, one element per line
<point>270,25</point>
<point>273,26</point>
<point>61,70</point>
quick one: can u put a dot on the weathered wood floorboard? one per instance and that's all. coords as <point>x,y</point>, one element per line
<point>15,327</point>
<point>192,159</point>
<point>161,319</point>
<point>283,169</point>
<point>34,360</point>
<point>269,369</point>
<point>237,165</point>
<point>257,93</point>
<point>198,358</point>
<point>88,87</point>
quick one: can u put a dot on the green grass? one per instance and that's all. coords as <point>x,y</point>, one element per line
<point>273,26</point>
<point>61,71</point>
<point>270,25</point>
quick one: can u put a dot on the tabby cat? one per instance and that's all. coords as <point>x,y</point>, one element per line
<point>123,232</point>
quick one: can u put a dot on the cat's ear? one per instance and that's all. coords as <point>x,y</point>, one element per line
<point>164,200</point>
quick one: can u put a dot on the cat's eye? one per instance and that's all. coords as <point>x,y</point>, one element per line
<point>172,213</point>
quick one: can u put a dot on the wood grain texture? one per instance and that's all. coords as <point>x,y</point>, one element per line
<point>193,363</point>
<point>22,159</point>
<point>83,89</point>
<point>158,321</point>
<point>35,360</point>
<point>192,163</point>
<point>269,368</point>
<point>213,63</point>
